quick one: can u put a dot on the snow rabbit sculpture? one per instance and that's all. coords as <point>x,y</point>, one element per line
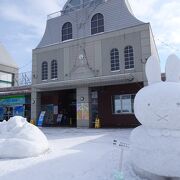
<point>155,145</point>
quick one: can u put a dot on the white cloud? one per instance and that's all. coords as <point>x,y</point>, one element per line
<point>34,16</point>
<point>45,7</point>
<point>143,8</point>
<point>167,21</point>
<point>16,14</point>
<point>164,17</point>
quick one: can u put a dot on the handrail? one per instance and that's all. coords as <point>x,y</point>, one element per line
<point>54,15</point>
<point>59,13</point>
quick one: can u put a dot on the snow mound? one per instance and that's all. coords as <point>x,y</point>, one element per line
<point>20,139</point>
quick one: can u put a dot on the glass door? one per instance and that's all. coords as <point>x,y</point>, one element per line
<point>8,112</point>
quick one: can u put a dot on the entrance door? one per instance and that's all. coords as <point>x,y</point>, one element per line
<point>59,103</point>
<point>67,102</point>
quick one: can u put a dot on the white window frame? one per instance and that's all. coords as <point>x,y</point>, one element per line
<point>115,60</point>
<point>65,36</point>
<point>97,19</point>
<point>132,96</point>
<point>44,71</point>
<point>127,58</point>
<point>54,70</point>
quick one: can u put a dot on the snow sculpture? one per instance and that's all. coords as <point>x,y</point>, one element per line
<point>19,139</point>
<point>155,145</point>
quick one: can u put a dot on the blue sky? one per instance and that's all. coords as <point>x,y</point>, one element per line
<point>23,24</point>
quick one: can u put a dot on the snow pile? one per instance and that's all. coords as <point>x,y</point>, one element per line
<point>76,154</point>
<point>19,139</point>
<point>155,145</point>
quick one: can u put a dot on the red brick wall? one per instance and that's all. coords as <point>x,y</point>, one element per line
<point>108,119</point>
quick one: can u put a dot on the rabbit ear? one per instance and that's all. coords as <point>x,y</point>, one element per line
<point>173,69</point>
<point>153,70</point>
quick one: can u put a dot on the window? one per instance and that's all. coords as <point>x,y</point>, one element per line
<point>67,31</point>
<point>97,24</point>
<point>6,79</point>
<point>44,70</point>
<point>115,60</point>
<point>53,69</point>
<point>123,103</point>
<point>129,57</point>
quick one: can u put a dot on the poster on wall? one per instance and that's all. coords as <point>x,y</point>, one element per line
<point>18,111</point>
<point>83,111</point>
<point>55,110</point>
<point>1,113</point>
<point>79,111</point>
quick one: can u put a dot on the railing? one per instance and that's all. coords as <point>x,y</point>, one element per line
<point>54,15</point>
<point>91,3</point>
<point>23,79</point>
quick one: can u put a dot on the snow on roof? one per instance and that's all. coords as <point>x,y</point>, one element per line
<point>129,7</point>
<point>5,58</point>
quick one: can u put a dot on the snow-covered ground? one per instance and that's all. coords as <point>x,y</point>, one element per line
<point>75,154</point>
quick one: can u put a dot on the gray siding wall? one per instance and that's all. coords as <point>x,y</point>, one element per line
<point>97,52</point>
<point>116,16</point>
<point>53,54</point>
<point>120,43</point>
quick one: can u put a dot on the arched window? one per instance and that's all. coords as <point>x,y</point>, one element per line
<point>67,31</point>
<point>115,60</point>
<point>129,57</point>
<point>97,24</point>
<point>53,69</point>
<point>44,70</point>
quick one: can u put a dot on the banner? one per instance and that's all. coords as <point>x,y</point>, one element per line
<point>1,113</point>
<point>41,118</point>
<point>83,111</point>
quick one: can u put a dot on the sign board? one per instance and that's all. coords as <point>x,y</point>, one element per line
<point>12,100</point>
<point>41,118</point>
<point>83,111</point>
<point>55,110</point>
<point>59,118</point>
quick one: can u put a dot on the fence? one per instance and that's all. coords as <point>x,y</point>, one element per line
<point>23,79</point>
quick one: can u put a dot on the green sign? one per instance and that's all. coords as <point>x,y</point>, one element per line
<point>12,100</point>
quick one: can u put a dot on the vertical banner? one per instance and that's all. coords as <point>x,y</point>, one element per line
<point>79,111</point>
<point>55,110</point>
<point>1,113</point>
<point>41,118</point>
<point>85,111</point>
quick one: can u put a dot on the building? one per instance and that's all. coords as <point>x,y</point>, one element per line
<point>89,63</point>
<point>8,69</point>
<point>15,101</point>
<point>15,95</point>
